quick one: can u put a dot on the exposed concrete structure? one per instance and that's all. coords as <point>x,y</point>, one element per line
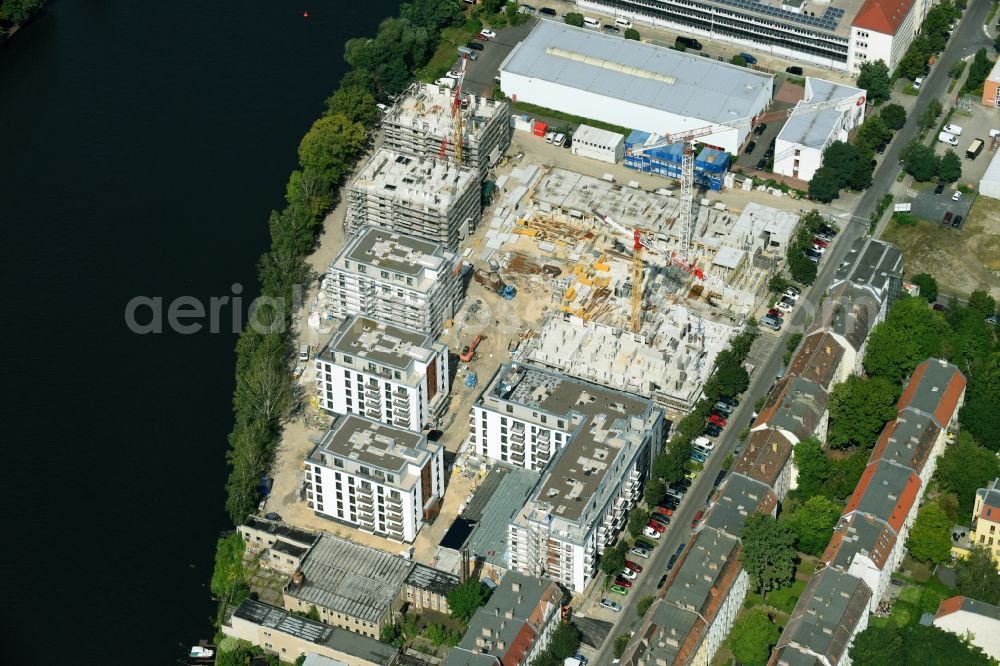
<point>595,446</point>
<point>390,374</point>
<point>398,279</point>
<point>424,197</point>
<point>420,120</point>
<point>280,547</point>
<point>383,479</point>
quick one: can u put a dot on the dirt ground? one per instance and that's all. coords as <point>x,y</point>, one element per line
<point>961,261</point>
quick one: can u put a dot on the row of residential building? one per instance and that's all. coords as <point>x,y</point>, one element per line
<point>705,590</point>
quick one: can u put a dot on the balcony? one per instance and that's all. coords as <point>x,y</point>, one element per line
<point>543,455</point>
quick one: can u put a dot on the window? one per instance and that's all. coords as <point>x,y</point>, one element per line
<point>348,359</point>
<point>510,409</point>
<point>337,462</point>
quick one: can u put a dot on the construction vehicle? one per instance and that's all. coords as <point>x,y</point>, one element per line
<point>492,281</point>
<point>471,380</point>
<point>690,137</point>
<point>470,352</point>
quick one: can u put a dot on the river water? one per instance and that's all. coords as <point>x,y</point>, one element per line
<point>143,145</point>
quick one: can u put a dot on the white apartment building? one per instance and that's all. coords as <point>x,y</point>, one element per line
<point>595,445</point>
<point>397,279</point>
<point>382,479</point>
<point>390,374</point>
<point>425,197</point>
<point>883,30</point>
<point>799,146</point>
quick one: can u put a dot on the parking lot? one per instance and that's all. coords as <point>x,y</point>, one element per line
<point>977,125</point>
<point>480,73</point>
<point>932,207</point>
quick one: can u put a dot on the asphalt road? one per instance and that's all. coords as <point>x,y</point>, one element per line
<point>479,75</point>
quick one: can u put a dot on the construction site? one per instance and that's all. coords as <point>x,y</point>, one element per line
<point>576,246</point>
<point>425,197</point>
<point>434,121</point>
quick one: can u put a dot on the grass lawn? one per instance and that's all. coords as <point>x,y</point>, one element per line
<point>446,55</point>
<point>783,600</point>
<point>568,118</point>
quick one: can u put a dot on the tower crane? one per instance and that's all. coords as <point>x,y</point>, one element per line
<point>457,121</point>
<point>690,137</point>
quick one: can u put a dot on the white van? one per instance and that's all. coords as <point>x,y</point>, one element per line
<point>466,51</point>
<point>953,129</point>
<point>591,22</point>
<point>945,137</point>
<point>623,22</point>
<point>446,82</point>
<point>304,353</point>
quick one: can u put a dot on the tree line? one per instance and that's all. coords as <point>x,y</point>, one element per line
<point>15,13</point>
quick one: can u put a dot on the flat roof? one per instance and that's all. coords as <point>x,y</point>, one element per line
<point>827,613</point>
<point>376,445</point>
<point>349,578</point>
<point>685,85</point>
<point>738,498</point>
<point>813,128</point>
<point>382,343</point>
<point>428,184</point>
<point>281,530</point>
<point>600,419</point>
<point>495,510</point>
<point>378,249</point>
<point>432,580</point>
<point>336,638</point>
<point>597,136</point>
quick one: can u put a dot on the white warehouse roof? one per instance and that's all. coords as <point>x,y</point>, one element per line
<point>694,87</point>
<point>990,184</point>
<point>597,136</point>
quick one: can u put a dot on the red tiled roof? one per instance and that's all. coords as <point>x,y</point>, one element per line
<point>947,403</point>
<point>949,606</point>
<point>884,16</point>
<point>904,502</point>
<point>519,647</point>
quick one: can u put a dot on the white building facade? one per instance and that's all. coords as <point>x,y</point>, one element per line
<point>381,479</point>
<point>387,373</point>
<point>883,30</point>
<point>397,279</point>
<point>598,144</point>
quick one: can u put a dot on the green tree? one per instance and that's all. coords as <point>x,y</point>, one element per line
<point>982,303</point>
<point>873,132</point>
<point>729,378</point>
<point>859,409</point>
<point>637,520</point>
<point>927,645</point>
<point>957,69</point>
<point>751,638</point>
<point>239,655</point>
<point>894,116</point>
<point>874,78</point>
<point>930,537</point>
<point>910,334</point>
<point>228,581</point>
<point>643,605</point>
<point>928,118</point>
<point>331,146</point>
<point>964,468</point>
<point>19,11</point>
<point>982,404</point>
<point>433,14</point>
<point>860,177</point>
<point>653,492</point>
<point>824,186</point>
<point>920,161</point>
<point>768,553</point>
<point>976,576</point>
<point>355,103</point>
<point>949,167</point>
<point>813,466</point>
<point>574,18</point>
<point>842,159</point>
<point>813,522</point>
<point>546,658</point>
<point>632,33</point>
<point>778,284</point>
<point>613,560</point>
<point>928,286</point>
<point>464,599</point>
<point>565,641</point>
<point>738,60</point>
<point>878,646</point>
<point>620,644</point>
<point>313,613</point>
<point>803,270</point>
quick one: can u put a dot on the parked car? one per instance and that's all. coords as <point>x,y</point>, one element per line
<point>750,147</point>
<point>819,248</point>
<point>827,229</point>
<point>785,305</point>
<point>628,574</point>
<point>454,74</point>
<point>939,188</point>
<point>683,484</point>
<point>718,478</point>
<point>624,582</point>
<point>639,551</point>
<point>795,70</point>
<point>747,58</point>
<point>713,430</point>
<point>917,82</point>
<point>664,511</point>
<point>611,29</point>
<point>549,136</point>
<point>775,312</point>
<point>698,457</point>
<point>723,409</point>
<point>729,400</point>
<point>939,307</point>
<point>476,46</point>
<point>663,581</point>
<point>880,148</point>
<point>526,9</point>
<point>717,420</point>
<point>481,37</point>
<point>618,589</point>
<point>704,441</point>
<point>611,605</point>
<point>658,527</point>
<point>633,566</point>
<point>558,139</point>
<point>992,319</point>
<point>953,129</point>
<point>696,519</point>
<point>651,533</point>
<point>770,322</point>
<point>957,222</point>
<point>813,256</point>
<point>819,241</point>
<point>957,195</point>
<point>489,34</point>
<point>546,11</point>
<point>671,562</point>
<point>762,164</point>
<point>660,518</point>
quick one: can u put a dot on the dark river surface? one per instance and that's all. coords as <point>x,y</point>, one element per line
<point>143,145</point>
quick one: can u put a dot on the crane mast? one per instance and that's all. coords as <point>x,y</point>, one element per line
<point>636,282</point>
<point>457,121</point>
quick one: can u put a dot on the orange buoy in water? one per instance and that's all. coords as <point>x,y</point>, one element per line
<point>305,15</point>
